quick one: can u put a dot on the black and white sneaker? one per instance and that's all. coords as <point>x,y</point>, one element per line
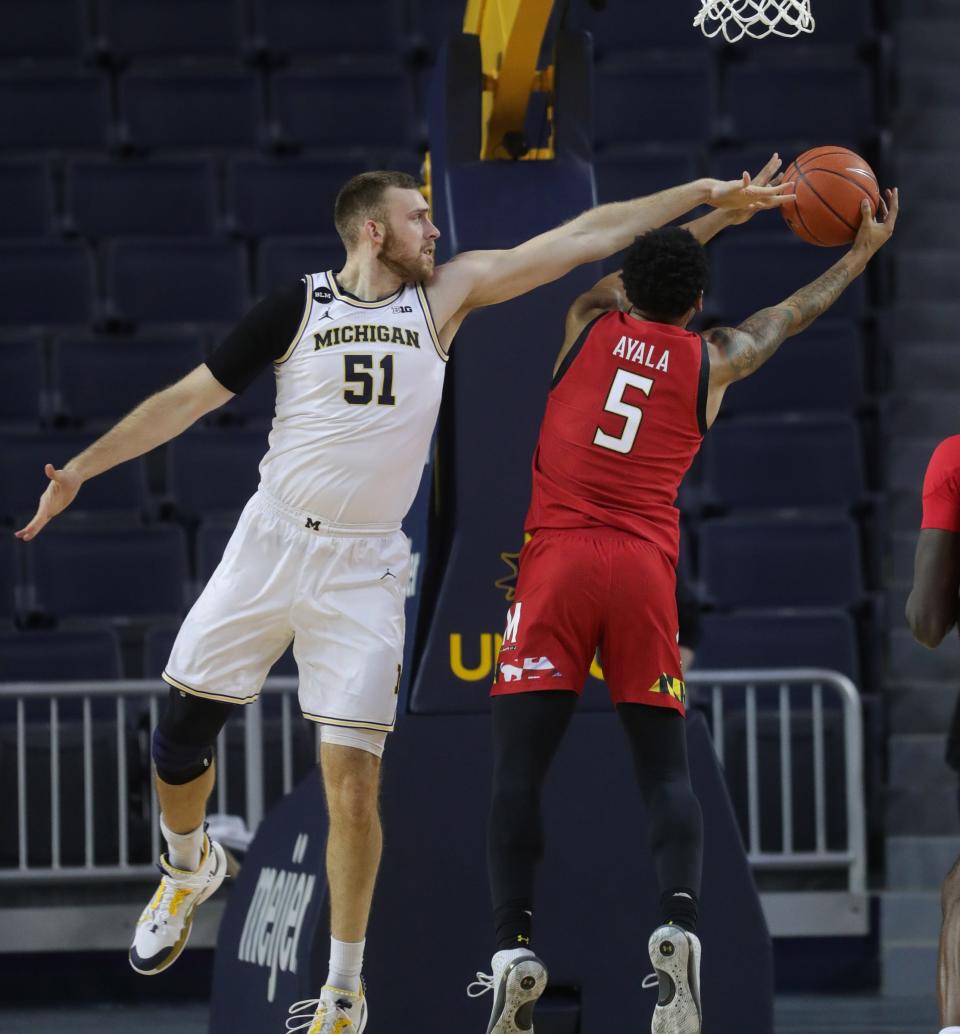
<point>519,979</point>
<point>675,955</point>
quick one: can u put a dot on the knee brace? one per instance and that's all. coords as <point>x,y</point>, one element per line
<point>184,738</point>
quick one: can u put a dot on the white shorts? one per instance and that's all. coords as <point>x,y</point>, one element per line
<point>337,591</point>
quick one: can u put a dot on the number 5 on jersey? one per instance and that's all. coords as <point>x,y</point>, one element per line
<point>632,414</point>
<point>358,380</point>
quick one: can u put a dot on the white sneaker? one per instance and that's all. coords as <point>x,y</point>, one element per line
<point>519,979</point>
<point>335,1012</point>
<point>675,955</point>
<point>164,925</point>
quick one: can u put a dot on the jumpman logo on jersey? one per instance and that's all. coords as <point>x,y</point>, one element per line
<point>389,574</point>
<point>326,315</point>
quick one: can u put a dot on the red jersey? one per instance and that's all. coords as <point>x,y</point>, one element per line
<point>624,420</point>
<point>941,487</point>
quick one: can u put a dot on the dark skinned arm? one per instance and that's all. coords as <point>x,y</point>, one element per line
<point>935,597</point>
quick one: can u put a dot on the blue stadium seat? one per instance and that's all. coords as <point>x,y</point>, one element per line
<point>215,471</point>
<point>755,271</point>
<point>176,281</point>
<point>622,27</point>
<point>8,577</point>
<point>780,639</point>
<point>343,110</point>
<point>186,108</point>
<point>212,538</point>
<point>282,259</point>
<point>772,462</point>
<point>285,197</point>
<point>21,381</point>
<point>302,28</point>
<point>764,100</point>
<point>22,480</point>
<point>621,177</point>
<point>53,110</point>
<point>42,29</point>
<point>99,379</point>
<point>109,572</point>
<point>26,198</point>
<point>669,102</point>
<point>113,199</point>
<point>46,283</point>
<point>756,561</point>
<point>157,644</point>
<point>60,655</point>
<point>840,26</point>
<point>170,28</point>
<point>794,379</point>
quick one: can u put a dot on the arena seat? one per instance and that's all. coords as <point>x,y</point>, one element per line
<point>26,198</point>
<point>214,471</point>
<point>43,29</point>
<point>302,28</point>
<point>794,381</point>
<point>281,260</point>
<point>253,406</point>
<point>61,655</point>
<point>123,199</point>
<point>780,639</point>
<point>180,107</point>
<point>8,575</point>
<point>170,28</point>
<point>907,460</point>
<point>762,561</point>
<point>270,197</point>
<point>624,176</point>
<point>671,102</point>
<point>619,28</point>
<point>930,414</point>
<point>167,280</point>
<point>754,271</point>
<point>762,89</point>
<point>100,379</point>
<point>21,381</point>
<point>927,275</point>
<point>212,538</point>
<point>768,461</point>
<point>22,480</point>
<point>27,271</point>
<point>108,571</point>
<point>53,110</point>
<point>336,110</point>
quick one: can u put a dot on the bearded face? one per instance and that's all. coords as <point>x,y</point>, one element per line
<point>411,260</point>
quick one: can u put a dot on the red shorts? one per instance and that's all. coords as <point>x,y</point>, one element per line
<point>581,590</point>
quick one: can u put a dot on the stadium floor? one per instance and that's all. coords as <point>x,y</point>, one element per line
<point>795,1015</point>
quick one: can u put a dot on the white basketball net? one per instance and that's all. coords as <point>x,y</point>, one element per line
<point>756,18</point>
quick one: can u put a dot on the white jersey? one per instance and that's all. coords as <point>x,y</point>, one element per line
<point>358,393</point>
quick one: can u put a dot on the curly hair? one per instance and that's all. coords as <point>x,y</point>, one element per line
<point>665,272</point>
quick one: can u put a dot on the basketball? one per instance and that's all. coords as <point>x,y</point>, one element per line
<point>831,182</point>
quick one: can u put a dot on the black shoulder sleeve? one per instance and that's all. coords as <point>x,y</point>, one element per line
<point>260,338</point>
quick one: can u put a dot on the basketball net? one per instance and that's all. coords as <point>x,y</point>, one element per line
<point>755,18</point>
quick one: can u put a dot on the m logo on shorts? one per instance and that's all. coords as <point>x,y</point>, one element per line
<point>513,624</point>
<point>313,525</point>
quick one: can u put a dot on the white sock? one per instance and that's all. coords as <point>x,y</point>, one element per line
<point>950,1030</point>
<point>346,964</point>
<point>183,849</point>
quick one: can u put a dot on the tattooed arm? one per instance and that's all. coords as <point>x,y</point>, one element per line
<point>736,352</point>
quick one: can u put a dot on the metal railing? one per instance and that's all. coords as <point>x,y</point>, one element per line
<point>756,687</point>
<point>775,693</point>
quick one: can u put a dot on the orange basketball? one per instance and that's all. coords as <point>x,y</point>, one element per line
<point>831,182</point>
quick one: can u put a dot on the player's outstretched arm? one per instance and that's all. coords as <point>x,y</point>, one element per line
<point>708,226</point>
<point>478,278</point>
<point>736,352</point>
<point>156,420</point>
<point>933,602</point>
